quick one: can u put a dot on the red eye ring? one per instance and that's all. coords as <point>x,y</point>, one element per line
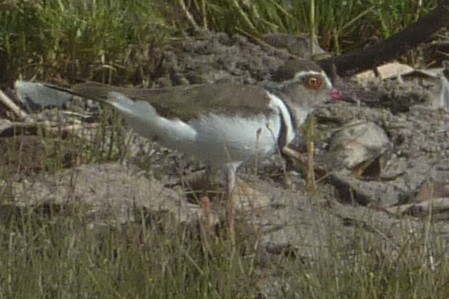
<point>313,82</point>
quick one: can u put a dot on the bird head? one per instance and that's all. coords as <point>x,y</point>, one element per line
<point>304,86</point>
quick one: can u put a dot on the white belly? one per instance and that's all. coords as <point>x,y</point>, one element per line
<point>221,140</point>
<point>214,138</point>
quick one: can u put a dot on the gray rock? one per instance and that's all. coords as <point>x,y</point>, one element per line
<point>357,147</point>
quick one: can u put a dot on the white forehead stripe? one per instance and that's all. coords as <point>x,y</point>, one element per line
<point>326,78</point>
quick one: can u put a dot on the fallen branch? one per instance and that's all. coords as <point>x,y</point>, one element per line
<point>422,209</point>
<point>5,100</point>
<point>389,49</point>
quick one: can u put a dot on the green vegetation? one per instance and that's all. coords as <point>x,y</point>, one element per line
<point>53,252</point>
<point>64,39</point>
<point>44,256</point>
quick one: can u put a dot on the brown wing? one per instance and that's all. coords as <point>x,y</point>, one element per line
<point>187,102</point>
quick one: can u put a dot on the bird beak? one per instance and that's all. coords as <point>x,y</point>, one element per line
<point>335,95</point>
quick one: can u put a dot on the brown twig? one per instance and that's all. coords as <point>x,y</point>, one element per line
<point>5,100</point>
<point>310,177</point>
<point>295,155</point>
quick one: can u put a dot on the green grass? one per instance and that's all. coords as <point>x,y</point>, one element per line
<point>56,254</point>
<point>47,39</point>
<point>53,252</point>
<point>62,39</point>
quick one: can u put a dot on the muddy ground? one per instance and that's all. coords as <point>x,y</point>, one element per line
<point>408,150</point>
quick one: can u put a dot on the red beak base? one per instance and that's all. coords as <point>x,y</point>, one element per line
<point>335,95</point>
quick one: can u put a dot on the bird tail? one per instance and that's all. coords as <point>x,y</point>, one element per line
<point>93,91</point>
<point>129,107</point>
<point>112,95</point>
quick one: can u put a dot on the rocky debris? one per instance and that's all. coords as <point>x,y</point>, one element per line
<point>390,70</point>
<point>418,152</point>
<point>361,148</point>
<point>401,88</point>
<point>208,57</point>
<point>368,193</point>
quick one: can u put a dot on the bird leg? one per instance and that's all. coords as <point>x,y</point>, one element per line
<point>230,171</point>
<point>199,183</point>
<point>205,204</point>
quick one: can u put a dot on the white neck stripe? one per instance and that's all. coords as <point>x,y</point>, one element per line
<point>277,104</point>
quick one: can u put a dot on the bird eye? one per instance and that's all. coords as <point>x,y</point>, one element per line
<point>313,82</point>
